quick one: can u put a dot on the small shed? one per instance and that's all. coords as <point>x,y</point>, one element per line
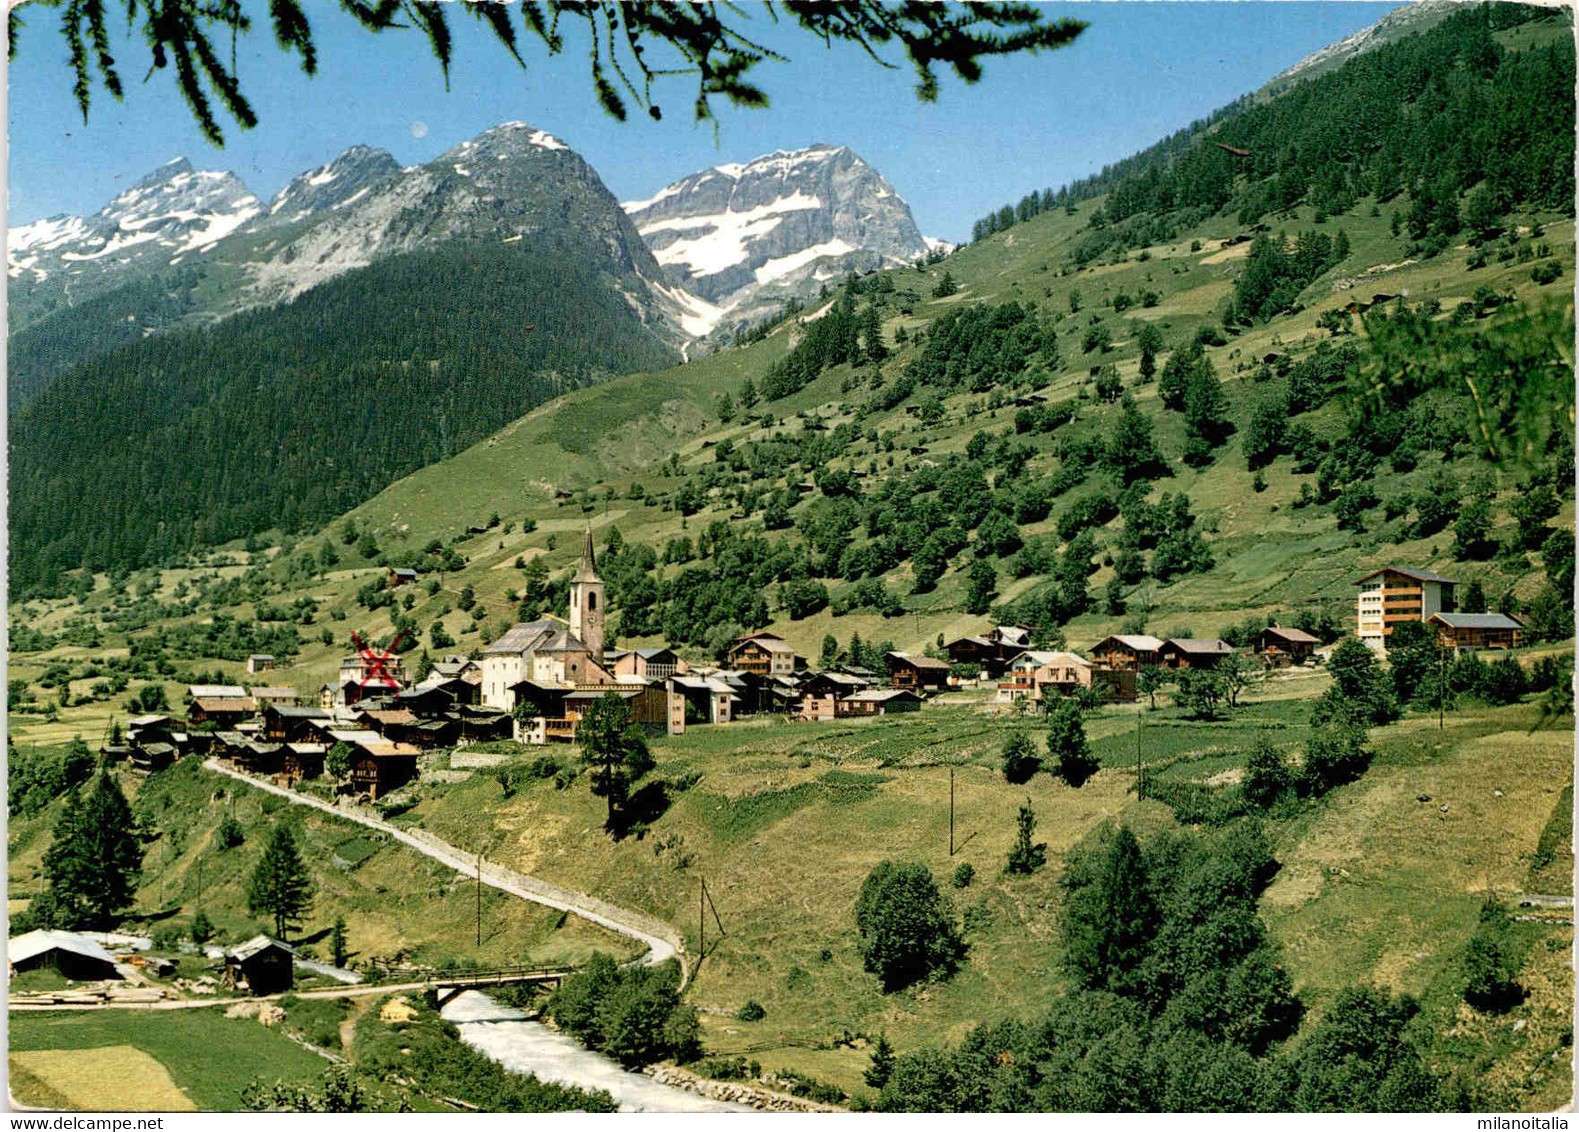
<point>262,965</point>
<point>73,956</point>
<point>259,662</point>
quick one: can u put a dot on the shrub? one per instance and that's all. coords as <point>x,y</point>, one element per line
<point>1020,762</point>
<point>906,930</point>
<point>964,875</point>
<point>751,1012</point>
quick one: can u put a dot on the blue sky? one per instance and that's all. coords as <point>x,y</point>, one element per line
<point>1139,72</point>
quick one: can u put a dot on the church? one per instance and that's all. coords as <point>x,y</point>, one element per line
<point>559,669</point>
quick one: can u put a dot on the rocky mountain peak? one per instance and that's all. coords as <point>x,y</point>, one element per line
<point>747,236</point>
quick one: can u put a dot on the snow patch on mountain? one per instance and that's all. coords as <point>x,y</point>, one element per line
<point>747,237</point>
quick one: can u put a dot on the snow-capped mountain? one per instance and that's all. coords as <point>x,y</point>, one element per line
<point>508,184</point>
<point>173,211</point>
<point>743,238</point>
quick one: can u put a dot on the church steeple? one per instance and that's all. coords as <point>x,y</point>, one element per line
<point>586,602</point>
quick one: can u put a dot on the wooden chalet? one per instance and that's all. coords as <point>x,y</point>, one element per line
<point>480,724</point>
<point>879,701</point>
<point>288,723</point>
<point>274,695</point>
<point>992,650</point>
<point>395,724</point>
<point>1192,652</point>
<point>258,757</point>
<point>400,576</point>
<point>1471,632</point>
<point>299,761</point>
<point>435,697</point>
<point>821,695</point>
<point>226,712</point>
<point>1128,651</point>
<point>259,662</point>
<point>1278,647</point>
<point>767,654</point>
<point>377,765</point>
<point>921,673</point>
<point>150,758</point>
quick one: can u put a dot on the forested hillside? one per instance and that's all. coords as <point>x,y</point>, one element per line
<point>1434,114</point>
<point>283,418</point>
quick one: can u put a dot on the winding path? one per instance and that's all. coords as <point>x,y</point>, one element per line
<point>661,940</point>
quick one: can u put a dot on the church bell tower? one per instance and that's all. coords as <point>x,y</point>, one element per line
<point>587,603</point>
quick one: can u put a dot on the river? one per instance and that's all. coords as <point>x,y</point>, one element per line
<point>506,1035</point>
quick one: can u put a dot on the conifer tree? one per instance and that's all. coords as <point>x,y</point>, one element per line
<point>1024,857</point>
<point>95,860</point>
<point>616,752</point>
<point>281,886</point>
<point>1066,743</point>
<point>882,1066</point>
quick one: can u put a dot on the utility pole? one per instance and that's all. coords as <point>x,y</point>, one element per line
<point>1441,684</point>
<point>1140,769</point>
<point>950,811</point>
<point>701,924</point>
<point>479,898</point>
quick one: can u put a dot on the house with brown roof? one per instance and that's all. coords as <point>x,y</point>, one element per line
<point>224,713</point>
<point>656,663</point>
<point>913,670</point>
<point>880,701</point>
<point>766,654</point>
<point>822,695</point>
<point>1036,674</point>
<point>1398,593</point>
<point>1193,652</point>
<point>1472,632</point>
<point>1126,652</point>
<point>1278,647</point>
<point>992,650</point>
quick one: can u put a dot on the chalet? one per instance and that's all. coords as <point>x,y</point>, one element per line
<point>922,673</point>
<point>480,724</point>
<point>400,576</point>
<point>149,729</point>
<point>1035,675</point>
<point>151,758</point>
<point>657,664</point>
<point>392,723</point>
<point>764,653</point>
<point>1398,593</point>
<point>879,701</point>
<point>378,766</point>
<point>70,955</point>
<point>457,668</point>
<point>262,965</point>
<point>300,761</point>
<point>992,650</point>
<point>273,695</point>
<point>707,698</point>
<point>1192,652</point>
<point>362,676</point>
<point>1131,652</point>
<point>1278,647</point>
<point>260,758</point>
<point>822,694</point>
<point>222,712</point>
<point>1471,632</point>
<point>259,662</point>
<point>287,723</point>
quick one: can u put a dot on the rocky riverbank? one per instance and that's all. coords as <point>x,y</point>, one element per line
<point>733,1092</point>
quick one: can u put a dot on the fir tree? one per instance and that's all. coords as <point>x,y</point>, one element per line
<point>882,1066</point>
<point>95,860</point>
<point>1066,743</point>
<point>616,752</point>
<point>1024,857</point>
<point>281,886</point>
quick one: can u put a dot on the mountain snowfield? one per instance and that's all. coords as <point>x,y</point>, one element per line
<point>745,237</point>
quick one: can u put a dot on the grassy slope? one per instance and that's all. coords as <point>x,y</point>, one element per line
<point>770,827</point>
<point>393,899</point>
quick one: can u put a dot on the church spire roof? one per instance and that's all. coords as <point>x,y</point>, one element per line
<point>587,571</point>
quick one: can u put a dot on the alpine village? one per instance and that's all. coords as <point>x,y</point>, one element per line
<point>1122,663</point>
